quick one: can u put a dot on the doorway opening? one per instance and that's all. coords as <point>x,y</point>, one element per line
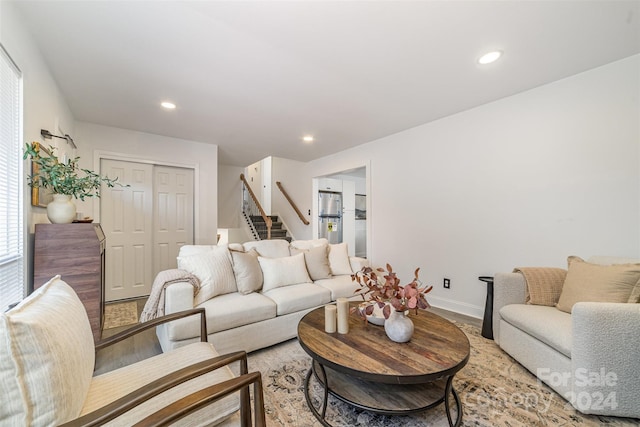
<point>341,208</point>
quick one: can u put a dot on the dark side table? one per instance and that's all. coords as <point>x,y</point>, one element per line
<point>487,322</point>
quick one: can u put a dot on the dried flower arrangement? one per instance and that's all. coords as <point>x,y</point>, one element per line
<point>380,289</point>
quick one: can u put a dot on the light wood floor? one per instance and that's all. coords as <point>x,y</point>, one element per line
<point>146,344</point>
<point>462,318</point>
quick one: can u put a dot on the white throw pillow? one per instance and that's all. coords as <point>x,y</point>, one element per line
<point>339,259</point>
<point>247,271</point>
<point>47,356</point>
<point>214,270</point>
<point>278,272</point>
<point>317,261</point>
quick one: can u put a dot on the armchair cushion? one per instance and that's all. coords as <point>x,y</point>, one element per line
<point>113,385</point>
<point>546,324</point>
<point>45,366</point>
<point>599,283</point>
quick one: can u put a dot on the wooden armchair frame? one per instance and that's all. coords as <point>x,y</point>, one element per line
<point>190,403</point>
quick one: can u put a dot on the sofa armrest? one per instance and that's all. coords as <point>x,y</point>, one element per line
<point>508,288</point>
<point>358,263</point>
<point>604,358</point>
<point>178,297</point>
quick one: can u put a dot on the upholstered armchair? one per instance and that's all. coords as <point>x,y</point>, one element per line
<point>583,341</point>
<point>47,358</point>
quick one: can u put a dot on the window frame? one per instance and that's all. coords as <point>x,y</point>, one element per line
<point>16,251</point>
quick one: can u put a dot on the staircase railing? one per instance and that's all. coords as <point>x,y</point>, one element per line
<point>291,202</point>
<point>251,206</point>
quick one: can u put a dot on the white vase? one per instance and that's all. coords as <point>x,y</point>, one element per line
<point>398,326</point>
<point>61,210</point>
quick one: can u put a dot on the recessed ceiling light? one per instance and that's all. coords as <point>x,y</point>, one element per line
<point>490,57</point>
<point>168,105</point>
<point>308,138</point>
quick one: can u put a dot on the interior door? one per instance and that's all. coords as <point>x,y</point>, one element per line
<point>173,215</point>
<point>126,215</point>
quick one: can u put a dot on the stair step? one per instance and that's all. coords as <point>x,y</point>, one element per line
<point>287,238</point>
<point>263,226</point>
<point>273,233</point>
<point>258,218</point>
<point>277,230</point>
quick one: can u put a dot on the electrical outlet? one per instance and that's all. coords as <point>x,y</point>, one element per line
<point>446,283</point>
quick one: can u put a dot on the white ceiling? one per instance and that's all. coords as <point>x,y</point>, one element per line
<point>254,77</point>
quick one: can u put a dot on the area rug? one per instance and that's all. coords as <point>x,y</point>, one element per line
<point>494,390</point>
<point>120,314</point>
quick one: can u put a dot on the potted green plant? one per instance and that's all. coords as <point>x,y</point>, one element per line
<point>64,180</point>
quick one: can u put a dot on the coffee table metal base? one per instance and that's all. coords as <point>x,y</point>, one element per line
<point>378,397</point>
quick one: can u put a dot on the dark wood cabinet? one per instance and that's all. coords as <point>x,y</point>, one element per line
<point>76,253</point>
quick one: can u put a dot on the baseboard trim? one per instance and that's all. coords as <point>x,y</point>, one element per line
<point>457,306</point>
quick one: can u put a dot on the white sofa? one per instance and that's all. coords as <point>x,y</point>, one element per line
<point>589,356</point>
<point>251,320</point>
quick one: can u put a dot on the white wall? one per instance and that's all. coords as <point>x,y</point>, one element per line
<point>229,196</point>
<point>296,180</point>
<point>93,140</point>
<point>253,175</point>
<point>526,180</point>
<point>361,183</point>
<point>44,108</point>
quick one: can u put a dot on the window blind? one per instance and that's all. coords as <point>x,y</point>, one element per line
<point>11,179</point>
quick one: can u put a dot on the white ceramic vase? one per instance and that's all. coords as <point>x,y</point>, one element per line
<point>398,326</point>
<point>61,210</point>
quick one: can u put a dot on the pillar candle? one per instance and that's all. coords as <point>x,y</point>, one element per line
<point>330,318</point>
<point>343,315</point>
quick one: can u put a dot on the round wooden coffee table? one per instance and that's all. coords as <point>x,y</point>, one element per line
<point>364,368</point>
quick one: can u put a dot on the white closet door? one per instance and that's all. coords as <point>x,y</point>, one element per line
<point>173,215</point>
<point>126,216</point>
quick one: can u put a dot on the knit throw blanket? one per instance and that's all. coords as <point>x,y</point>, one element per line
<point>154,306</point>
<point>544,284</point>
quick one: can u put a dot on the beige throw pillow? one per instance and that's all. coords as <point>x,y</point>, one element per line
<point>247,271</point>
<point>285,271</point>
<point>599,283</point>
<point>544,284</point>
<point>317,261</point>
<point>214,270</point>
<point>339,259</point>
